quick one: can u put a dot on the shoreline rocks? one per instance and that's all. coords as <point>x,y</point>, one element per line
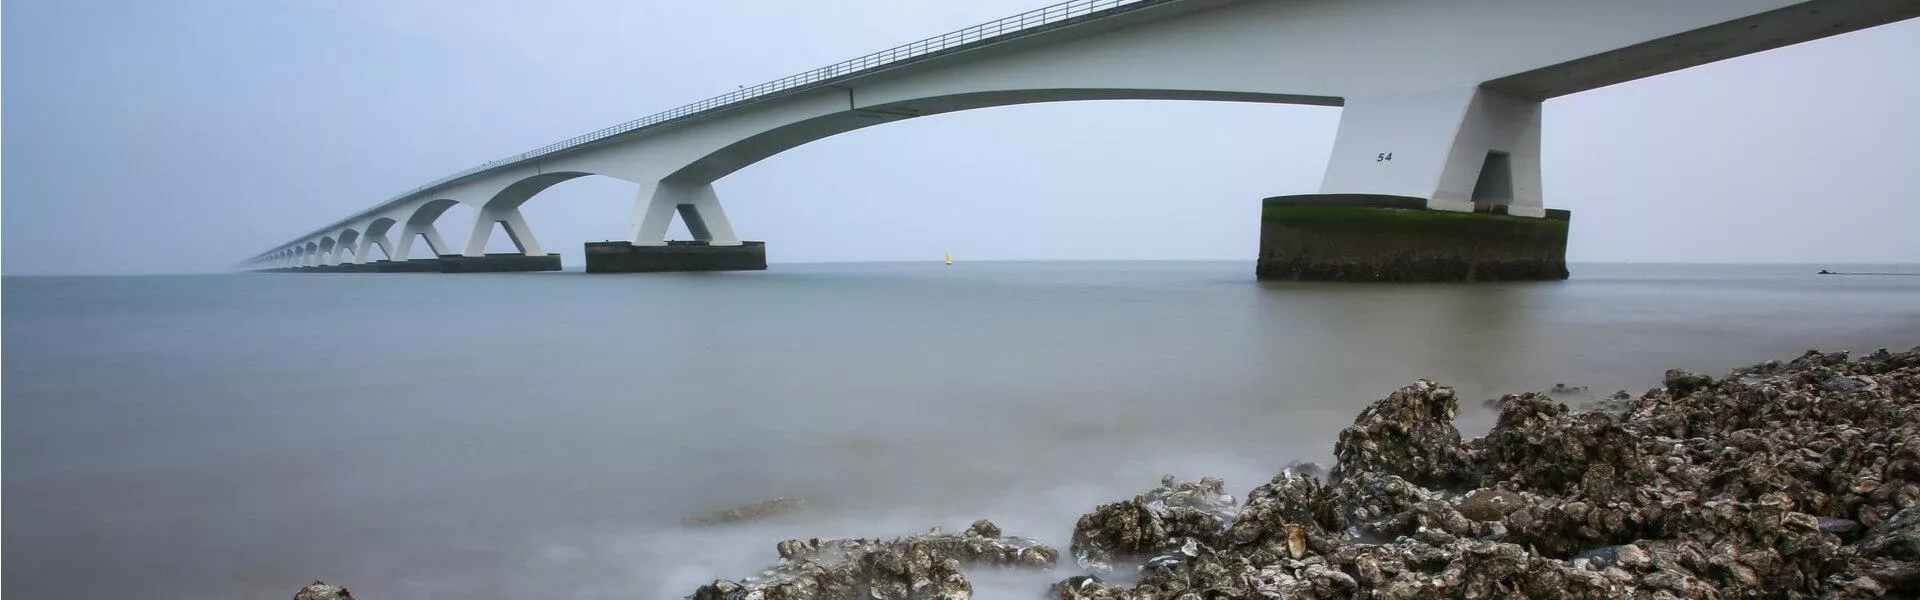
<point>1795,480</point>
<point>321,590</point>
<point>1779,480</point>
<point>918,567</point>
<point>1175,515</point>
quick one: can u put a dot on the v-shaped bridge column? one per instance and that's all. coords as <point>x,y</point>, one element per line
<point>474,258</point>
<point>365,248</point>
<point>412,231</point>
<point>697,205</point>
<point>715,246</point>
<point>1442,185</point>
<point>508,219</point>
<point>1453,148</point>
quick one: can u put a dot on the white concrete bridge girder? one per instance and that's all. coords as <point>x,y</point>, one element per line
<point>1453,147</point>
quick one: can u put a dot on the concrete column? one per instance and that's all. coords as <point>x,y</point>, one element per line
<point>405,248</point>
<point>509,219</point>
<point>697,204</point>
<point>1451,147</point>
<point>360,249</point>
<point>367,242</point>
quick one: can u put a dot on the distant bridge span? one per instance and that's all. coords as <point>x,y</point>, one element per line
<point>1434,91</point>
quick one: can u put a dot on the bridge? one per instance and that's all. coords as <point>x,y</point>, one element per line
<point>1435,171</point>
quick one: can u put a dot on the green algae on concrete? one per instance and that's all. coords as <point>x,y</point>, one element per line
<point>1359,237</point>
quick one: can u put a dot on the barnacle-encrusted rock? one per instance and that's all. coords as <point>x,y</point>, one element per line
<point>1409,434</point>
<point>1781,480</point>
<point>321,590</point>
<point>1153,523</point>
<point>920,567</point>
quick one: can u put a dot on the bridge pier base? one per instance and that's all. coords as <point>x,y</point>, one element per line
<point>498,263</point>
<point>625,257</point>
<point>1370,237</point>
<point>417,265</point>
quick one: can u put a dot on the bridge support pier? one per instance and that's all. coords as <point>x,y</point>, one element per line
<point>1441,185</point>
<point>417,265</point>
<point>625,257</point>
<point>1365,237</point>
<point>715,247</point>
<point>498,263</point>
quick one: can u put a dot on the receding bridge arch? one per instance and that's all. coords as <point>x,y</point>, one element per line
<point>676,169</point>
<point>419,224</point>
<point>376,236</point>
<point>758,146</point>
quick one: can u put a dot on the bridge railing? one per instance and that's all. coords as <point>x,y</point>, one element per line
<point>991,31</point>
<point>1032,19</point>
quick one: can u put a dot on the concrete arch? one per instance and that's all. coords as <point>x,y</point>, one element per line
<point>429,211</point>
<point>503,207</point>
<point>755,147</point>
<point>420,224</point>
<point>312,255</point>
<point>327,255</point>
<point>375,235</point>
<point>346,247</point>
<point>520,191</point>
<point>676,168</point>
<point>379,226</point>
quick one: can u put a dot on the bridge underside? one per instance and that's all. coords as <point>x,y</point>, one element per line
<point>1760,32</point>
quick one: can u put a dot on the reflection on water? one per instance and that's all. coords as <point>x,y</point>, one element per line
<point>512,435</point>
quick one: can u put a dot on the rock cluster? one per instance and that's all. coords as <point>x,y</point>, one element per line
<point>321,590</point>
<point>1795,480</point>
<point>1781,480</point>
<point>919,567</point>
<point>1171,516</point>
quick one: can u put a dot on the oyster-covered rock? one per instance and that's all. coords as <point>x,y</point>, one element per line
<point>1153,523</point>
<point>1781,480</point>
<point>1409,434</point>
<point>321,590</point>
<point>920,567</point>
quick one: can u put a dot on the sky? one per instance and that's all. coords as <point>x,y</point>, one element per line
<point>150,136</point>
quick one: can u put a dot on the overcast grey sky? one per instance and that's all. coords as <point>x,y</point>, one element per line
<point>150,136</point>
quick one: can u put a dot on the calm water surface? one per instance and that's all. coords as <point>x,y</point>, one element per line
<point>540,435</point>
